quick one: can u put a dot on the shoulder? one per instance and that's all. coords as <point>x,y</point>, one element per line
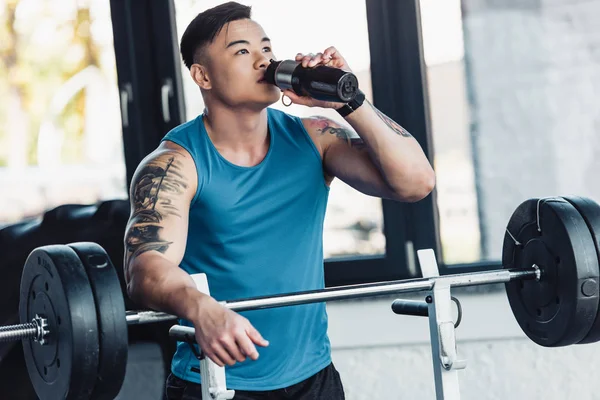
<point>186,134</point>
<point>320,125</point>
<point>169,164</point>
<point>168,150</point>
<point>325,131</point>
<point>184,128</point>
<point>181,144</point>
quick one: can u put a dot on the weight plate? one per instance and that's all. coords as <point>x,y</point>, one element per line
<point>54,285</point>
<point>557,310</point>
<point>590,211</point>
<point>112,323</point>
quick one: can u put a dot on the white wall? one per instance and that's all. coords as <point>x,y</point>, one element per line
<point>381,355</point>
<point>533,73</point>
<point>534,79</point>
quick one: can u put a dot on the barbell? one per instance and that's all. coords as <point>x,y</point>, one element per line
<point>74,323</point>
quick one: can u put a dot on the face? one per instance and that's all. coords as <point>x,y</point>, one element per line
<point>234,65</point>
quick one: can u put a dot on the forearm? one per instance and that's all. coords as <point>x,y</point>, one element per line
<point>396,154</point>
<point>156,283</point>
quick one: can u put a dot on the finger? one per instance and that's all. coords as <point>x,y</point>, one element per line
<point>306,59</point>
<point>246,345</point>
<point>256,337</point>
<point>295,98</point>
<point>330,52</point>
<point>223,355</point>
<point>215,358</point>
<point>291,94</point>
<point>208,351</point>
<point>299,56</point>
<point>315,60</point>
<point>232,348</point>
<point>287,93</point>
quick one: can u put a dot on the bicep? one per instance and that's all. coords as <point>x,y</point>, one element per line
<point>346,157</point>
<point>349,161</point>
<point>160,195</point>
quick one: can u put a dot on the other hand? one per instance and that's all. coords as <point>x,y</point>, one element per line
<point>225,336</point>
<point>331,57</point>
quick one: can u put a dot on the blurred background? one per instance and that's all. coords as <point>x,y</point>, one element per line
<point>512,92</point>
<point>60,124</point>
<point>60,133</point>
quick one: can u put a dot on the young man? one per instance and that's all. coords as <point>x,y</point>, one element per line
<point>240,193</point>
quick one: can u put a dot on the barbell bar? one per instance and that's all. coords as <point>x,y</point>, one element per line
<point>74,324</point>
<point>399,306</point>
<point>351,292</point>
<point>34,330</point>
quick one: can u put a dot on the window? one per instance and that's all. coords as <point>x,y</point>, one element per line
<point>60,126</point>
<point>513,94</point>
<point>354,222</point>
<point>449,112</point>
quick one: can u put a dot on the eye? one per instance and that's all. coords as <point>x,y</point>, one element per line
<point>240,51</point>
<point>267,49</point>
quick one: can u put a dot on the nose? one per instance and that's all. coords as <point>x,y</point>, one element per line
<point>262,62</point>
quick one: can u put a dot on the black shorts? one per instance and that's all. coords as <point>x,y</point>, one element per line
<point>325,384</point>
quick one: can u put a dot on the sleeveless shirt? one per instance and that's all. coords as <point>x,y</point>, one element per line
<point>257,231</point>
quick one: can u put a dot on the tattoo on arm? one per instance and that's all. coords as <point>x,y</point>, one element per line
<point>154,189</point>
<point>341,133</point>
<point>391,123</point>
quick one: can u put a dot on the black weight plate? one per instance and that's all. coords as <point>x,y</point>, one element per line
<point>112,323</point>
<point>556,310</point>
<point>54,285</point>
<point>590,211</point>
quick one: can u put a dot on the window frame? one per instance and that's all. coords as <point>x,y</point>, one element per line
<point>146,55</point>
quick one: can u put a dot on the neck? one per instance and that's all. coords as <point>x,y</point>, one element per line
<point>234,128</point>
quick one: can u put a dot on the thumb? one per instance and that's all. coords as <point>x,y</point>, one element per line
<point>295,98</point>
<point>256,337</point>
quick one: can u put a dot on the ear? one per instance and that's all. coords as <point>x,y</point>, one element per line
<point>199,74</point>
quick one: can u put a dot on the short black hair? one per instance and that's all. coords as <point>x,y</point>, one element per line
<point>206,26</point>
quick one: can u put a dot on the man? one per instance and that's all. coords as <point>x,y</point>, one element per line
<point>240,193</point>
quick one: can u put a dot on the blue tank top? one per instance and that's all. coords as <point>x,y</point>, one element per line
<point>258,231</point>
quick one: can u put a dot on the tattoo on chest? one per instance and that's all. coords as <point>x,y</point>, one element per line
<point>155,187</point>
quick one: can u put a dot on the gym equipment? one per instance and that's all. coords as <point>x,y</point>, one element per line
<point>74,324</point>
<point>73,297</point>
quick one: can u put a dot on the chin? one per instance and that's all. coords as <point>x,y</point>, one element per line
<point>275,98</point>
<point>259,100</point>
<point>270,98</point>
<point>274,93</point>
